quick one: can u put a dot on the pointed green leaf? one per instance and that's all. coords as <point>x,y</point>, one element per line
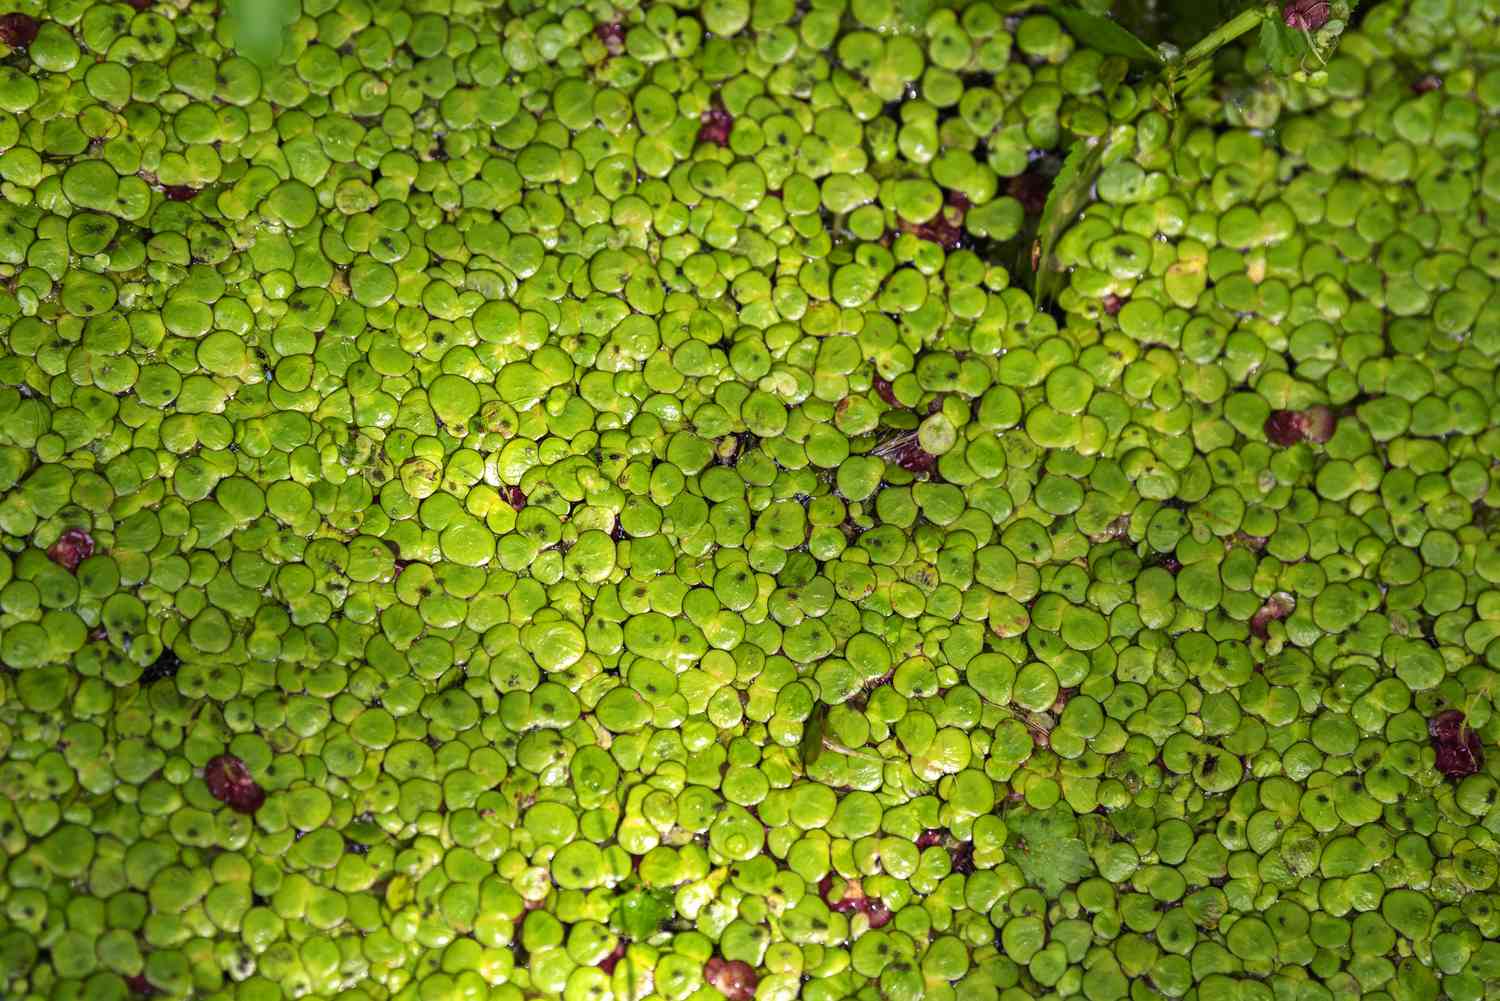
<point>1282,47</point>
<point>1104,34</point>
<point>1070,192</point>
<point>812,734</point>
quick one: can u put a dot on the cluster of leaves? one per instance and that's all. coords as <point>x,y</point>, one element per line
<point>1295,39</point>
<point>1045,846</point>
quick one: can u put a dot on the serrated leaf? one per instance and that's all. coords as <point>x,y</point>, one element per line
<point>642,913</point>
<point>1045,846</point>
<point>1071,190</point>
<point>1104,34</point>
<point>1271,49</point>
<point>1282,47</point>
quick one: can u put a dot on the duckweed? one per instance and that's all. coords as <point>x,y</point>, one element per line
<point>577,500</point>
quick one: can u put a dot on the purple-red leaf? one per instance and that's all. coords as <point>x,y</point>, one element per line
<point>608,963</point>
<point>1276,608</point>
<point>734,978</point>
<point>612,35</point>
<point>230,783</point>
<point>906,451</point>
<point>1459,750</point>
<point>1305,15</point>
<point>886,393</point>
<point>1288,427</point>
<point>715,124</point>
<point>18,30</point>
<point>71,548</point>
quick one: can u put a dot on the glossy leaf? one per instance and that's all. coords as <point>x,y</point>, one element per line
<point>1105,34</point>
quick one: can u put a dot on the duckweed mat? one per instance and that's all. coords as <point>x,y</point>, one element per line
<point>881,499</point>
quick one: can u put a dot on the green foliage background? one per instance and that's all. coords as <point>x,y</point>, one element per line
<point>259,25</point>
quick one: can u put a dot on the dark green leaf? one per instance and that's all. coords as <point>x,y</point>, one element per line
<point>642,913</point>
<point>1271,48</point>
<point>812,734</point>
<point>1104,34</point>
<point>1282,47</point>
<point>1045,846</point>
<point>1071,190</point>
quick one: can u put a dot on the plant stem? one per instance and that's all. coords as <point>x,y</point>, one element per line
<point>1225,33</point>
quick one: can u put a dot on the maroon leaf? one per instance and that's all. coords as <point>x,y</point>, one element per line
<point>715,125</point>
<point>883,388</point>
<point>1282,427</point>
<point>1447,726</point>
<point>18,30</point>
<point>179,192</point>
<point>230,783</point>
<point>1113,304</point>
<point>1459,750</point>
<point>1064,696</point>
<point>612,35</point>
<point>1456,761</point>
<point>514,497</point>
<point>1305,15</point>
<point>138,984</point>
<point>878,913</point>
<point>906,451</point>
<point>608,963</point>
<point>71,548</point>
<point>735,979</point>
<point>1428,83</point>
<point>1276,608</point>
<point>1288,427</point>
<point>850,898</point>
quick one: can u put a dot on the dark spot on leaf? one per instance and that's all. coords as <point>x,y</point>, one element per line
<point>164,666</point>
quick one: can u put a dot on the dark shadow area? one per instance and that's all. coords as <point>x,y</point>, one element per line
<point>1181,22</point>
